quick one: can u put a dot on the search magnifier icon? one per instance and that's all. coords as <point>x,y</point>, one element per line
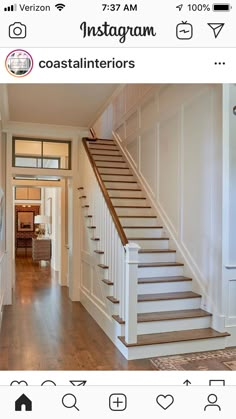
<point>69,401</point>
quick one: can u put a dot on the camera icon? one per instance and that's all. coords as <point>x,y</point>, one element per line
<point>17,30</point>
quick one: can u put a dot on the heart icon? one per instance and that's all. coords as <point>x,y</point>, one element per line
<point>165,401</point>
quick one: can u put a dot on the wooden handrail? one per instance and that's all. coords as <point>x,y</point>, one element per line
<point>92,132</point>
<point>107,198</point>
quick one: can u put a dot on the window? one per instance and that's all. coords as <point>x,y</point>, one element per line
<point>44,154</point>
<point>27,193</point>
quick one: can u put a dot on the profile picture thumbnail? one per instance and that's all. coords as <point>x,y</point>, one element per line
<point>19,63</point>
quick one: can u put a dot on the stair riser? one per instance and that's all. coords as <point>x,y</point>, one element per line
<point>102,141</point>
<point>169,305</point>
<point>200,345</point>
<point>149,222</point>
<point>131,194</point>
<point>171,325</point>
<point>131,201</point>
<point>108,159</point>
<point>107,290</point>
<point>160,271</point>
<point>118,185</point>
<point>102,147</point>
<point>152,244</point>
<point>144,232</point>
<point>107,152</point>
<point>112,308</point>
<point>156,257</point>
<point>134,211</point>
<point>111,170</point>
<point>117,177</point>
<point>122,165</point>
<point>165,287</point>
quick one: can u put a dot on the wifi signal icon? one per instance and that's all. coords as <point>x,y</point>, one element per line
<point>60,6</point>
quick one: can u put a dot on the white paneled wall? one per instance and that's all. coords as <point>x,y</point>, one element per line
<point>229,208</point>
<point>172,136</point>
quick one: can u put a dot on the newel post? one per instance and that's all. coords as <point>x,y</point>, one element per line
<point>131,292</point>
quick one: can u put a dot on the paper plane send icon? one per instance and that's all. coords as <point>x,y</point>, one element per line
<point>217,28</point>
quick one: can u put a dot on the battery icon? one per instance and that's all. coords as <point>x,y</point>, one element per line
<point>221,7</point>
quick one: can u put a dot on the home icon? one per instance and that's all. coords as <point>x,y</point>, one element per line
<point>23,403</point>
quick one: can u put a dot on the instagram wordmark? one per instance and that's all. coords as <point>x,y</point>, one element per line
<point>118,31</point>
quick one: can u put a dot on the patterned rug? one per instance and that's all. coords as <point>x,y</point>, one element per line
<point>221,360</point>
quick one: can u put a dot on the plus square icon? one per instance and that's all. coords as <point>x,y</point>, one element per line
<point>117,402</point>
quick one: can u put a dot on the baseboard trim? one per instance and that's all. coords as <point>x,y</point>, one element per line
<point>231,340</point>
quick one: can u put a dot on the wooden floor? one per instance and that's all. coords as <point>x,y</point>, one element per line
<point>44,330</point>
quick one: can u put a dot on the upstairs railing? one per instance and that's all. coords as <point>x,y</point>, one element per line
<point>120,255</point>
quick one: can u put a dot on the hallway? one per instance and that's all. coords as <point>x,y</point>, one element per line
<point>44,330</point>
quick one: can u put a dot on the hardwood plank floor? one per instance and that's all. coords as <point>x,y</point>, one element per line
<point>44,330</point>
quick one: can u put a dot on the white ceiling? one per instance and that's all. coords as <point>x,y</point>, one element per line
<point>60,104</point>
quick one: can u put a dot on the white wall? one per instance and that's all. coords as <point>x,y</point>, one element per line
<point>52,206</point>
<point>229,210</point>
<point>104,125</point>
<point>3,257</point>
<point>172,135</point>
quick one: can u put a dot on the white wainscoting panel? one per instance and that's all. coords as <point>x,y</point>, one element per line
<point>175,147</point>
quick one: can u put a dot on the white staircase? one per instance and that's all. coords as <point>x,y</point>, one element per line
<point>170,319</point>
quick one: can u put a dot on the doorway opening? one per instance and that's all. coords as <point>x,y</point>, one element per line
<point>40,232</point>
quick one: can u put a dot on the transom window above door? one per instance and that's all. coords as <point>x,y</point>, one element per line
<point>44,154</point>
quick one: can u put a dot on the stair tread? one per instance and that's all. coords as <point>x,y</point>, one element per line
<point>167,296</point>
<point>158,280</point>
<point>103,154</point>
<point>108,145</point>
<point>132,206</point>
<point>123,189</point>
<point>148,238</point>
<point>113,167</point>
<point>133,227</point>
<point>104,149</point>
<point>127,197</point>
<point>159,264</point>
<point>116,174</point>
<point>172,315</point>
<point>156,251</point>
<point>120,181</point>
<point>107,282</point>
<point>167,315</point>
<point>137,216</point>
<point>109,161</point>
<point>177,336</point>
<point>113,300</point>
<point>101,265</point>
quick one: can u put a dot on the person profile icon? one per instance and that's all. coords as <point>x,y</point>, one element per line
<point>212,399</point>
